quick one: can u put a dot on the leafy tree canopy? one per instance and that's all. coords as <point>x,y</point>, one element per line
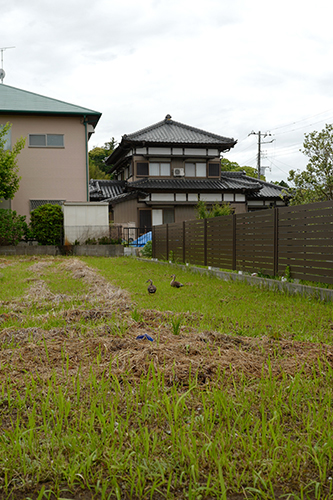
<point>315,183</point>
<point>9,178</point>
<point>216,211</point>
<point>232,166</point>
<point>97,155</point>
<point>282,184</point>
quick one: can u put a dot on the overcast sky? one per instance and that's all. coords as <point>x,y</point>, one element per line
<point>226,66</point>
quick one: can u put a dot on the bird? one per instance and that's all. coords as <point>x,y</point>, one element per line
<point>151,288</point>
<point>175,283</point>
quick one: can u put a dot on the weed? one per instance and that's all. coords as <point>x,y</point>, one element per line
<point>176,323</point>
<point>136,315</point>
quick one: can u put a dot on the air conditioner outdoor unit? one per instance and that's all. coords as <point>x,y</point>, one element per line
<point>178,172</point>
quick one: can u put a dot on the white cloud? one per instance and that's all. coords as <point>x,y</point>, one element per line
<point>227,67</point>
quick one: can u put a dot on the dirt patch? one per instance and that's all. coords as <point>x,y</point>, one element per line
<point>109,341</point>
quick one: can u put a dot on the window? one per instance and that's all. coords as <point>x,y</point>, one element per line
<point>163,216</point>
<point>154,169</point>
<point>168,216</point>
<point>213,170</point>
<point>159,169</point>
<point>145,219</point>
<point>38,203</point>
<point>142,169</point>
<point>195,170</point>
<point>46,140</point>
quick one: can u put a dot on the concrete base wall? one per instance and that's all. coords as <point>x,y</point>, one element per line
<point>89,250</point>
<point>29,250</point>
<point>99,250</point>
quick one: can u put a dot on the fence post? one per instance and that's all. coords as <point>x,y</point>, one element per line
<point>234,242</point>
<point>276,242</point>
<point>153,242</point>
<point>167,241</point>
<point>205,241</point>
<point>184,251</point>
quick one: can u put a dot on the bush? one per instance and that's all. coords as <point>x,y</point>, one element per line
<point>47,223</point>
<point>147,250</point>
<point>215,211</point>
<point>13,227</point>
<point>91,241</point>
<point>104,240</point>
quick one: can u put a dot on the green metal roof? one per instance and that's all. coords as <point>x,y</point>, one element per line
<point>18,101</point>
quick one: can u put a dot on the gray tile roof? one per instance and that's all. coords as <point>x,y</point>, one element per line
<point>268,190</point>
<point>122,197</point>
<point>167,133</point>
<point>14,100</point>
<point>172,132</point>
<point>195,185</point>
<point>119,191</point>
<point>101,189</point>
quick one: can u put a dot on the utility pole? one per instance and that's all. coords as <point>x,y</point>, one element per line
<point>260,135</point>
<point>2,71</point>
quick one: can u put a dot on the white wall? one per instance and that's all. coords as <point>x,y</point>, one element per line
<point>85,220</point>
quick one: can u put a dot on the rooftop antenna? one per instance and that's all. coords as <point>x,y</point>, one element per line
<point>2,71</point>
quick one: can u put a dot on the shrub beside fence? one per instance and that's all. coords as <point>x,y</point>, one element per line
<point>297,238</point>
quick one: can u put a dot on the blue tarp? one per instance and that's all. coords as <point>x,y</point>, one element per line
<point>142,240</point>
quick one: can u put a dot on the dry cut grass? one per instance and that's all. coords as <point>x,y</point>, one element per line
<point>95,337</point>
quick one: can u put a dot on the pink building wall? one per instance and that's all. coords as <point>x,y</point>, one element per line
<point>49,173</point>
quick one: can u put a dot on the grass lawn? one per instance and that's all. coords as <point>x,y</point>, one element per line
<point>232,399</point>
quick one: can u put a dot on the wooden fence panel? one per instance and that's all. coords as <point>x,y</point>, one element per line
<point>306,241</point>
<point>195,249</point>
<point>175,241</point>
<point>160,244</point>
<point>255,241</point>
<point>220,242</point>
<point>300,237</point>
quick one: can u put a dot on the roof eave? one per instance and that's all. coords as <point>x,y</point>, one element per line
<point>92,118</point>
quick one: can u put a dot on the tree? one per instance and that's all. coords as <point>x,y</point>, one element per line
<point>9,178</point>
<point>216,211</point>
<point>96,173</point>
<point>13,227</point>
<point>97,155</point>
<point>232,166</point>
<point>315,183</point>
<point>281,183</point>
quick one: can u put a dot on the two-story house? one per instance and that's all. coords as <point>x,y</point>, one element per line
<point>162,171</point>
<point>53,165</point>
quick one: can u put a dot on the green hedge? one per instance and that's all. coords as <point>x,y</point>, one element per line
<point>47,224</point>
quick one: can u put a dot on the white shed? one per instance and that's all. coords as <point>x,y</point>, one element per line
<point>85,220</point>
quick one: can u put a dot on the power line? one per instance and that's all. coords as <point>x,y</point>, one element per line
<point>303,120</point>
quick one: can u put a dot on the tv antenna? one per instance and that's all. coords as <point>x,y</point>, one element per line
<point>2,71</point>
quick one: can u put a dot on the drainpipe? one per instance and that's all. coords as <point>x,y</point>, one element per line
<point>87,156</point>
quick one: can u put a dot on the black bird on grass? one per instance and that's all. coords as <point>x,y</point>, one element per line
<point>175,283</point>
<point>151,288</point>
